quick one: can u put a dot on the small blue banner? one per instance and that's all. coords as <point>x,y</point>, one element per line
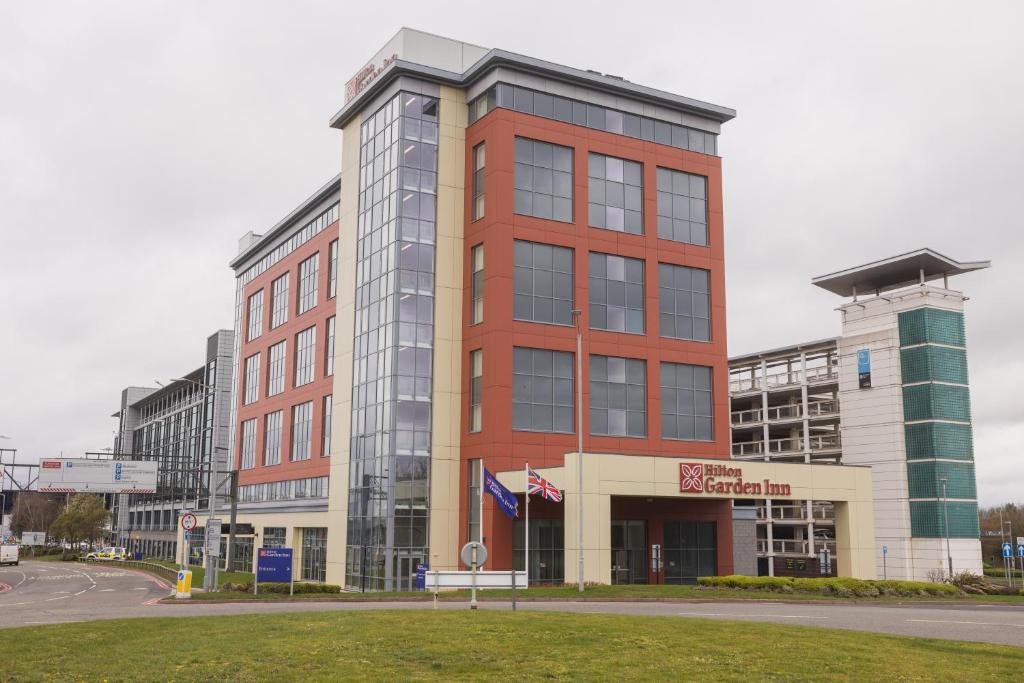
<point>274,565</point>
<point>505,499</point>
<point>421,576</point>
<point>864,368</point>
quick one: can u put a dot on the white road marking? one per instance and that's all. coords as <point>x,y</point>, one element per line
<point>760,616</point>
<point>106,590</point>
<point>59,592</point>
<point>142,588</point>
<point>968,623</point>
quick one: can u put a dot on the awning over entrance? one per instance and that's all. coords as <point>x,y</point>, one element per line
<point>606,475</point>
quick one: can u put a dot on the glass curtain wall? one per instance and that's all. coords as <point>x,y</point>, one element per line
<point>389,474</point>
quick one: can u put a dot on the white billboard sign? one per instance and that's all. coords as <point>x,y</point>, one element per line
<point>79,475</point>
<point>33,538</point>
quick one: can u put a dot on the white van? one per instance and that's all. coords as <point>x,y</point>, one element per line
<point>9,554</point>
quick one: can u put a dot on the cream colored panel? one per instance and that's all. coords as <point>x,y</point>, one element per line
<point>341,421</point>
<point>447,390</point>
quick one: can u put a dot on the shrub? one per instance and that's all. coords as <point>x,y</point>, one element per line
<point>845,587</point>
<point>300,588</point>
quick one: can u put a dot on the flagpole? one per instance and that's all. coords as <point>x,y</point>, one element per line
<point>526,554</point>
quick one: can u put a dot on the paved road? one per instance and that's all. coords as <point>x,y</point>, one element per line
<point>47,592</point>
<point>56,592</point>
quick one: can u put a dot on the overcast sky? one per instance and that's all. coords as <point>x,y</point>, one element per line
<point>139,141</point>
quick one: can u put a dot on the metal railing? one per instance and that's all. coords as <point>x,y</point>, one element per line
<point>822,408</point>
<point>822,543</point>
<point>782,547</point>
<point>786,446</point>
<point>792,411</point>
<point>822,374</point>
<point>738,384</point>
<point>742,417</point>
<point>796,512</point>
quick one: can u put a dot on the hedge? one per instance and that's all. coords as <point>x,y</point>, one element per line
<point>301,587</point>
<point>838,586</point>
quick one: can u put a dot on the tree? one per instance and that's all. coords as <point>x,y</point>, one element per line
<point>34,511</point>
<point>1012,516</point>
<point>84,519</point>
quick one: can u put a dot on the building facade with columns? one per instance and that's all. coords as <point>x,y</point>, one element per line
<point>493,207</point>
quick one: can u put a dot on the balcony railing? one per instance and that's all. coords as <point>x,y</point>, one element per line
<point>822,408</point>
<point>787,412</point>
<point>823,374</point>
<point>783,379</point>
<point>820,544</point>
<point>743,417</point>
<point>796,512</point>
<point>787,446</point>
<point>782,547</point>
<point>739,384</point>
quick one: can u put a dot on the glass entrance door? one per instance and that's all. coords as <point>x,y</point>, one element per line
<point>629,551</point>
<point>406,579</point>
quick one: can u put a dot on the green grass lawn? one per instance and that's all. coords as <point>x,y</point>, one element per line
<point>198,573</point>
<point>464,645</point>
<point>635,592</point>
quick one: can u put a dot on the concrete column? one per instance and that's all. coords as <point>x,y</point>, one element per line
<point>855,539</point>
<point>769,529</point>
<point>809,507</point>
<point>597,525</point>
<point>804,408</point>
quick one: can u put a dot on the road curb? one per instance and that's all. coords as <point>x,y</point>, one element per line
<point>680,601</point>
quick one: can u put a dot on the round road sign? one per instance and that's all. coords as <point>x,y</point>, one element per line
<point>467,553</point>
<point>188,522</point>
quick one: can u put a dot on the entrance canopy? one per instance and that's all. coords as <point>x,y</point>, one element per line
<point>607,474</point>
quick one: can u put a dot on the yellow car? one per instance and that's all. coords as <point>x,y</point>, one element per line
<point>108,553</point>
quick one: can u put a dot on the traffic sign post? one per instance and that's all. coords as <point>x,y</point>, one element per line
<point>212,543</point>
<point>885,552</point>
<point>473,554</point>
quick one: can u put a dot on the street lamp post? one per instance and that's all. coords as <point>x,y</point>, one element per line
<point>945,515</point>
<point>577,318</point>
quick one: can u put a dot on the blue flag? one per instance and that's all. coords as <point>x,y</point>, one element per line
<point>505,499</point>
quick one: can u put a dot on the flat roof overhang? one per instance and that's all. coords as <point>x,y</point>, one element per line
<point>495,58</point>
<point>895,272</point>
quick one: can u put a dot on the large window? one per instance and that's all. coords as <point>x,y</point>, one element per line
<point>305,356</point>
<point>332,270</point>
<point>476,310</point>
<point>309,276</point>
<point>302,430</point>
<point>255,316</point>
<point>252,379</point>
<point>476,390</point>
<point>547,550</point>
<point>682,207</point>
<point>275,537</point>
<point>618,396</point>
<point>690,551</point>
<point>325,445</point>
<point>615,194</point>
<point>275,368</point>
<point>272,438</point>
<point>616,293</point>
<point>543,283</point>
<point>683,307</point>
<point>279,301</point>
<point>478,181</point>
<point>329,351</point>
<point>518,98</point>
<point>686,402</point>
<point>543,180</point>
<point>474,482</point>
<point>542,399</point>
<point>248,444</point>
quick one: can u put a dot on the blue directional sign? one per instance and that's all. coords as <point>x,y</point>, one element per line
<point>1007,550</point>
<point>421,575</point>
<point>117,472</point>
<point>274,564</point>
<point>885,550</point>
<point>188,535</point>
<point>1020,551</point>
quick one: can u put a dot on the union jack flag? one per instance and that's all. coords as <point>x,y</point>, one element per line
<point>539,486</point>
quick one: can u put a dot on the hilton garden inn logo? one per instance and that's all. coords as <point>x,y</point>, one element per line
<point>691,478</point>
